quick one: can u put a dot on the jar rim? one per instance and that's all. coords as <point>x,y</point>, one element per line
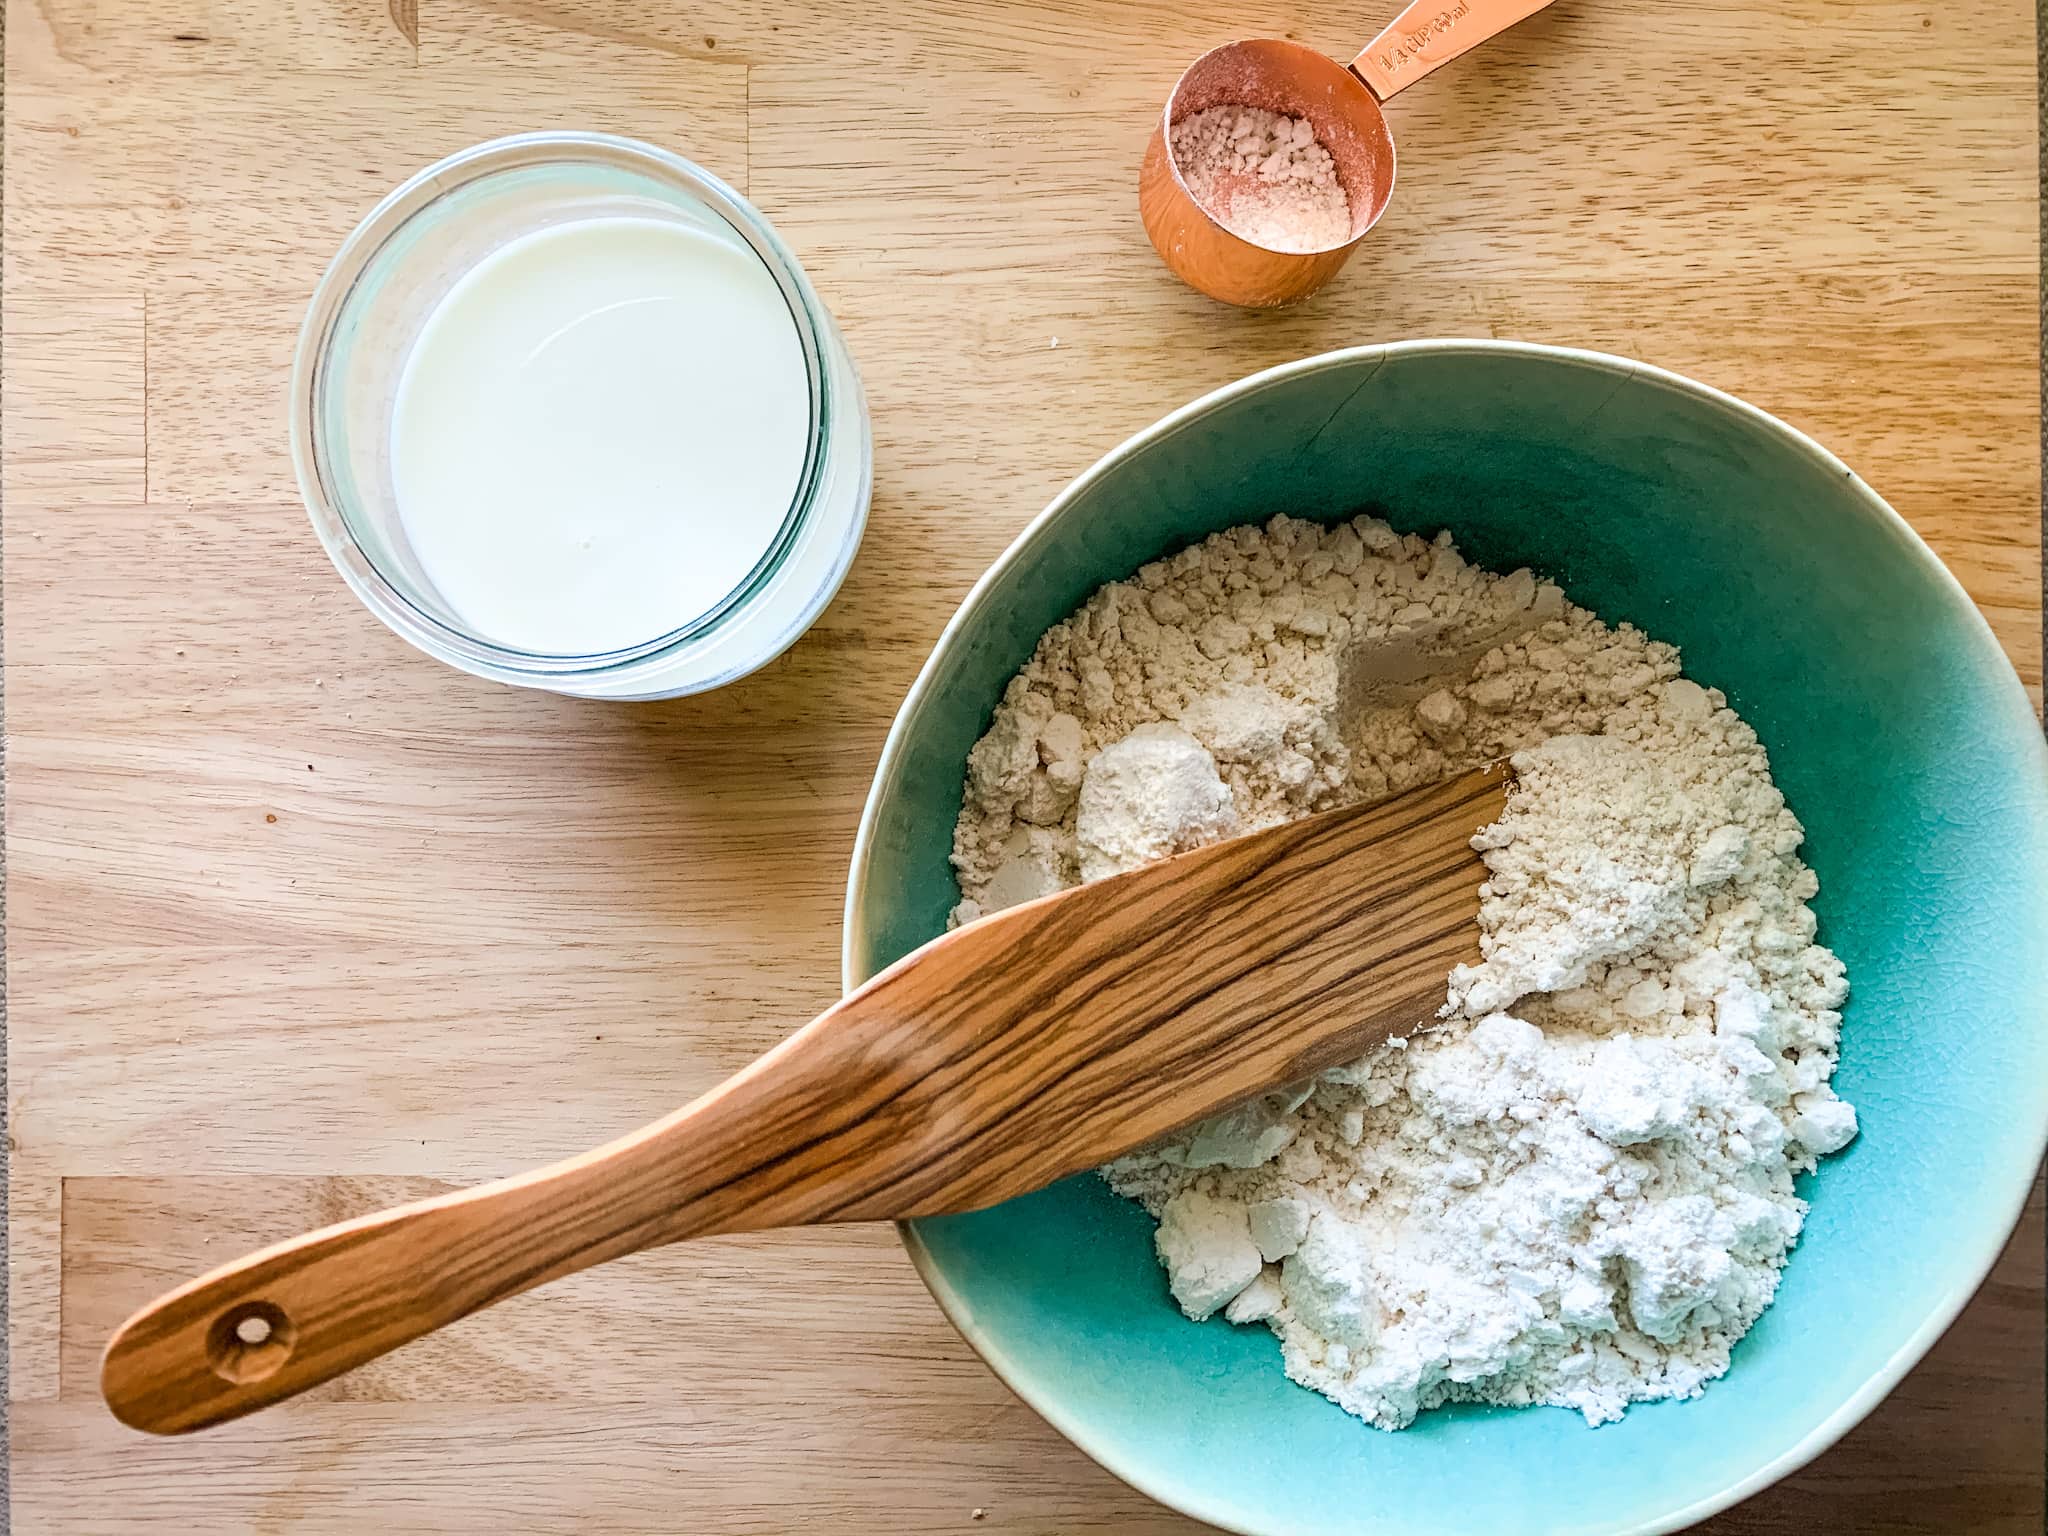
<point>329,507</point>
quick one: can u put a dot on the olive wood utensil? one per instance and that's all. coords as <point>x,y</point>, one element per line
<point>1030,1045</point>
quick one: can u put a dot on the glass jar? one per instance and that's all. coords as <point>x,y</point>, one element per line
<point>402,260</point>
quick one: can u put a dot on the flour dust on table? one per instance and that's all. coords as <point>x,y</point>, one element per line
<point>1574,1186</point>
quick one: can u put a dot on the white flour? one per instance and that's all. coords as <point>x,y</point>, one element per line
<point>1577,1189</point>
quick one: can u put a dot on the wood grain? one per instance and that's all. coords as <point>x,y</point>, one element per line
<point>114,185</point>
<point>35,1280</point>
<point>73,420</point>
<point>760,1384</point>
<point>488,929</point>
<point>1033,1045</point>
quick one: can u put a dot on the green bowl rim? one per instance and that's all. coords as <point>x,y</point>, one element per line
<point>960,1312</point>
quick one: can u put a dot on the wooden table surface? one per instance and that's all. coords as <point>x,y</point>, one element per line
<point>301,922</point>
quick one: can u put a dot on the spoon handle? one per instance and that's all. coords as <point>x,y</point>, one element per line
<point>1433,32</point>
<point>1030,1045</point>
<point>273,1324</point>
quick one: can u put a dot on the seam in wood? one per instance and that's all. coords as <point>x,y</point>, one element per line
<point>146,497</point>
<point>63,1231</point>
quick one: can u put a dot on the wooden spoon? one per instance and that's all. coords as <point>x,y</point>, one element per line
<point>1030,1045</point>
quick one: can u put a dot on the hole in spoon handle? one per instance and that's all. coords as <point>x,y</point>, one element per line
<point>250,1341</point>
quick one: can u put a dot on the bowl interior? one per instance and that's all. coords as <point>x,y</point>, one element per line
<point>1897,731</point>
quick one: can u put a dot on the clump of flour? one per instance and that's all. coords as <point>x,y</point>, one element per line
<point>1264,176</point>
<point>1577,1187</point>
<point>1151,794</point>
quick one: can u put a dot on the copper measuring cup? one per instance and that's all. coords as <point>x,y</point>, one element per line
<point>1341,103</point>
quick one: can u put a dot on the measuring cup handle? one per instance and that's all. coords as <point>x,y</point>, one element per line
<point>1433,32</point>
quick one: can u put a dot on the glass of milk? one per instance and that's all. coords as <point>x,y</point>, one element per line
<point>567,414</point>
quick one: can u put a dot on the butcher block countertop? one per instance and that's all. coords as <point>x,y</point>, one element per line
<point>301,923</point>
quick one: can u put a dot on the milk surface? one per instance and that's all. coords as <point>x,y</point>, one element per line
<point>599,433</point>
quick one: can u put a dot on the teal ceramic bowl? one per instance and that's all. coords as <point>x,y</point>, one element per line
<point>1901,738</point>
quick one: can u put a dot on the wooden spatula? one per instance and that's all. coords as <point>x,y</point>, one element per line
<point>1030,1045</point>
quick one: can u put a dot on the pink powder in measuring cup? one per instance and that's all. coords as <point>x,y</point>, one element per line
<point>1263,176</point>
